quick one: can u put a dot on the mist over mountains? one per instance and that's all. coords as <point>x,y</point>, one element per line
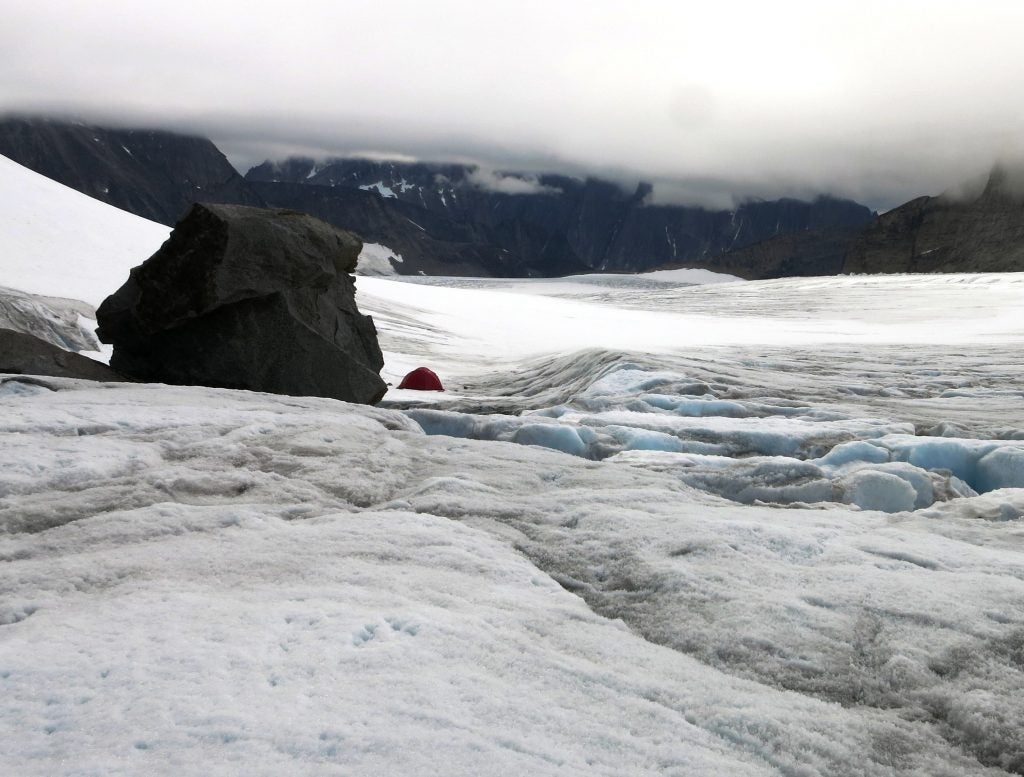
<point>441,219</point>
<point>557,223</point>
<point>456,219</point>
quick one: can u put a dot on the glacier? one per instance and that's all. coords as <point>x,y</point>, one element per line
<point>655,527</point>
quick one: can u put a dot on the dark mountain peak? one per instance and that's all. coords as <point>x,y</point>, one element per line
<point>153,173</point>
<point>974,228</point>
<point>1005,182</point>
<point>549,222</point>
<point>294,169</point>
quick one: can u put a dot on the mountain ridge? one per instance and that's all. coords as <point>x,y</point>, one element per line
<point>983,232</point>
<point>458,219</point>
<point>589,222</point>
<point>152,173</point>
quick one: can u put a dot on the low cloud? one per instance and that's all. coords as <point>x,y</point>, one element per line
<point>721,103</point>
<point>509,183</point>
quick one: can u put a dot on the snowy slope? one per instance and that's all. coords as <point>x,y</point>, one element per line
<point>58,242</point>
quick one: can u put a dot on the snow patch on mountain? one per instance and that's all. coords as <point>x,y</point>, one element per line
<point>379,188</point>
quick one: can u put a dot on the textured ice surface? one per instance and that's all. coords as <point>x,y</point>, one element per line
<point>62,322</point>
<point>750,451</point>
<point>230,581</point>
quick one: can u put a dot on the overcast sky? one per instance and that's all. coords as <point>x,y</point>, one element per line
<point>880,101</point>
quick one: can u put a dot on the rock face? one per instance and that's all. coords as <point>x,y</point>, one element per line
<point>979,233</point>
<point>247,298</point>
<point>807,253</point>
<point>430,243</point>
<point>22,354</point>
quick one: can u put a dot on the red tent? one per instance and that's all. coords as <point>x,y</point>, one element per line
<point>421,379</point>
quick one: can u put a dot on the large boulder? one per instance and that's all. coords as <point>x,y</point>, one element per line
<point>23,354</point>
<point>247,298</point>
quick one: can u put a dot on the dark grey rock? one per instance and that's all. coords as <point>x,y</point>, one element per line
<point>22,354</point>
<point>983,232</point>
<point>247,298</point>
<point>807,253</point>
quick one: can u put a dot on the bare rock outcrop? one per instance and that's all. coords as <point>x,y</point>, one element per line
<point>963,232</point>
<point>247,298</point>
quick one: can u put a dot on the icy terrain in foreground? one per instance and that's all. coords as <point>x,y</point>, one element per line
<point>211,582</point>
<point>629,540</point>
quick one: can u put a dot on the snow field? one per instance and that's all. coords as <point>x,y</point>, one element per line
<point>283,584</point>
<point>409,644</point>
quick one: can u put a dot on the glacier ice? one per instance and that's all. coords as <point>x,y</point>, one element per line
<point>748,450</point>
<point>872,489</point>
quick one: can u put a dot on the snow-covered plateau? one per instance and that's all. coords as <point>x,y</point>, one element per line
<point>655,526</point>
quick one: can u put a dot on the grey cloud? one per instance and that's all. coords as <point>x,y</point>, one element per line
<point>504,183</point>
<point>875,100</point>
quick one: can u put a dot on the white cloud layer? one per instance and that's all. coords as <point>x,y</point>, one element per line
<point>503,183</point>
<point>876,100</point>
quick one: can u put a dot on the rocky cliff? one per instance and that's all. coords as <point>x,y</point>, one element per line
<point>808,253</point>
<point>429,242</point>
<point>983,232</point>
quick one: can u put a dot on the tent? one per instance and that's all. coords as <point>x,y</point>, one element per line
<point>422,379</point>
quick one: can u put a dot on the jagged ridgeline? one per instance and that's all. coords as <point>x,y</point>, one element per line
<point>959,231</point>
<point>539,224</point>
